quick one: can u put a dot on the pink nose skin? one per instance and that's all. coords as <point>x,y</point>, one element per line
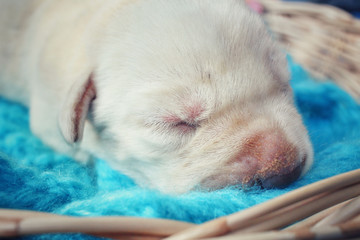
<point>275,161</point>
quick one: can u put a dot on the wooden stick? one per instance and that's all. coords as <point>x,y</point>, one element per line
<point>240,219</point>
<point>10,214</point>
<point>152,227</point>
<point>278,215</point>
<point>298,211</point>
<point>271,235</point>
<point>343,231</point>
<point>17,223</point>
<point>126,236</point>
<point>311,221</point>
<point>303,210</point>
<point>342,215</point>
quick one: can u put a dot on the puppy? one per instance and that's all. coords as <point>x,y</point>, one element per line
<point>177,94</point>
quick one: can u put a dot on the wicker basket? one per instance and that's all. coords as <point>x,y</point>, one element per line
<point>330,209</point>
<point>325,40</point>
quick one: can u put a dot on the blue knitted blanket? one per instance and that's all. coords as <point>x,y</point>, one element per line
<point>34,177</point>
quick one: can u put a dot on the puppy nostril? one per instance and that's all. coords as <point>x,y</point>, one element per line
<point>281,181</point>
<point>258,182</point>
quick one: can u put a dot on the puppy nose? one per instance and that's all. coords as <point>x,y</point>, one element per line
<point>276,160</point>
<point>281,181</point>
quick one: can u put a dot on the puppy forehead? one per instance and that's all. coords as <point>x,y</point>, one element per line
<point>191,98</point>
<point>232,61</point>
<point>232,53</point>
<point>199,98</point>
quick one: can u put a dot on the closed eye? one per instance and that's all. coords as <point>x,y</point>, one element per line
<point>186,124</point>
<point>185,127</point>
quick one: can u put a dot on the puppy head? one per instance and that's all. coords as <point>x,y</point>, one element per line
<point>195,96</point>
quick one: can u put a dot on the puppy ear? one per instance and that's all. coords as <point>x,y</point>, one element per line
<point>75,108</point>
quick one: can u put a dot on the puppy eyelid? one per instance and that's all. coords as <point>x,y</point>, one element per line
<point>186,124</point>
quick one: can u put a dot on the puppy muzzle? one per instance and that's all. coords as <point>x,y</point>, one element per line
<point>277,161</point>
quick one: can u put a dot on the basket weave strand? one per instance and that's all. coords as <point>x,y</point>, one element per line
<point>322,38</point>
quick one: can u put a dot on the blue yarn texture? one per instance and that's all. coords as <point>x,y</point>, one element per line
<point>34,177</point>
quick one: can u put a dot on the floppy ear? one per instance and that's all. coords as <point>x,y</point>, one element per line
<point>75,108</point>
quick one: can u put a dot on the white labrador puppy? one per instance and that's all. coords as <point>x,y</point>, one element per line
<point>177,94</point>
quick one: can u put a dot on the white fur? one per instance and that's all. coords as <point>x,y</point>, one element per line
<point>152,59</point>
